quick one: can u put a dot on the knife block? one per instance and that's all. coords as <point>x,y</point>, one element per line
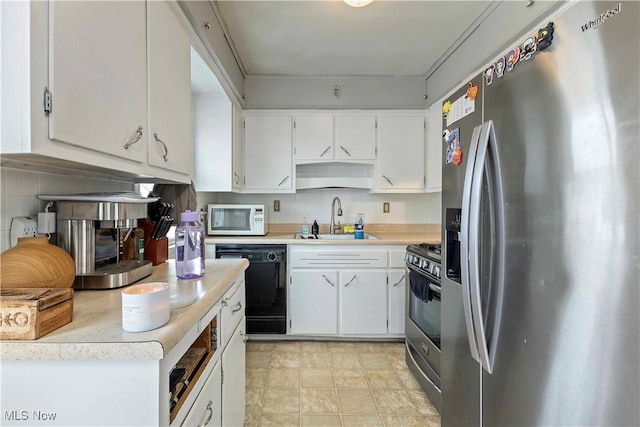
<point>156,250</point>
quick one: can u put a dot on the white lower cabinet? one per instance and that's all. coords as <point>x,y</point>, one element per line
<point>313,302</point>
<point>207,409</point>
<point>339,290</point>
<point>397,300</point>
<point>363,308</point>
<point>233,380</point>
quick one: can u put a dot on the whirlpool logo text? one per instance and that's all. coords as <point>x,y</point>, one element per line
<point>595,23</point>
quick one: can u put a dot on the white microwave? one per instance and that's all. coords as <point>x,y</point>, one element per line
<point>237,220</point>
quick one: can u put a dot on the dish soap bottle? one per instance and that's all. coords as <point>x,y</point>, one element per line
<point>315,228</point>
<point>359,227</point>
<point>189,246</point>
<point>305,227</point>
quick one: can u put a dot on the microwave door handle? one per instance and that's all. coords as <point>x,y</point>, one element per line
<point>252,218</point>
<point>464,244</point>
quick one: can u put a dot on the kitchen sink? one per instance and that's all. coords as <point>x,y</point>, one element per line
<point>332,236</point>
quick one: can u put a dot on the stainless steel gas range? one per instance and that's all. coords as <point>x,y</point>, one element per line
<point>423,264</point>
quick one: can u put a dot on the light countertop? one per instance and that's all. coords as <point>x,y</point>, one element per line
<point>96,333</point>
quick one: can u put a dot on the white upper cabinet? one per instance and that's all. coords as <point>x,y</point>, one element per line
<point>97,73</point>
<point>268,166</point>
<point>169,78</point>
<point>313,137</point>
<point>401,158</point>
<point>355,137</point>
<point>334,137</point>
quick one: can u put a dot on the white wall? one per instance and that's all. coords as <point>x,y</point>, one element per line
<point>19,188</point>
<point>316,205</point>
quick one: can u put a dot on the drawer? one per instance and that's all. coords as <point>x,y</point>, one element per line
<point>396,258</point>
<point>207,408</point>
<point>339,258</point>
<point>233,308</point>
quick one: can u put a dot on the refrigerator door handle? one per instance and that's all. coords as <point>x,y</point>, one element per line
<point>487,149</point>
<point>464,243</point>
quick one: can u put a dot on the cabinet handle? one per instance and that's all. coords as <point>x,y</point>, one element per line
<point>135,138</point>
<point>225,302</point>
<point>350,281</point>
<point>345,150</point>
<point>325,151</point>
<point>329,281</point>
<point>399,281</point>
<point>166,151</point>
<point>388,180</point>
<point>210,414</point>
<point>238,307</point>
<point>237,177</point>
<point>284,180</point>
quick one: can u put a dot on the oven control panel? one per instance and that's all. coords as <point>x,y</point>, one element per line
<point>424,264</point>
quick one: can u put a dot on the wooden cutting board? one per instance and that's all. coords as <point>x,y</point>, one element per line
<point>29,313</point>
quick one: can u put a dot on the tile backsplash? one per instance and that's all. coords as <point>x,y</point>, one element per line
<point>19,190</point>
<point>316,205</point>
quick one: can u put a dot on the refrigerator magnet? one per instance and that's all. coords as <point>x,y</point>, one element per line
<point>446,107</point>
<point>500,67</point>
<point>529,47</point>
<point>512,58</point>
<point>472,91</point>
<point>488,74</point>
<point>545,36</point>
<point>457,157</point>
<point>452,142</point>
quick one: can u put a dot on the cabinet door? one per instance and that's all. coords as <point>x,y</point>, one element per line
<point>169,72</point>
<point>207,408</point>
<point>355,137</point>
<point>267,153</point>
<point>97,75</point>
<point>401,152</point>
<point>233,378</point>
<point>397,297</point>
<point>236,179</point>
<point>364,302</point>
<point>435,145</point>
<point>313,302</point>
<point>313,137</point>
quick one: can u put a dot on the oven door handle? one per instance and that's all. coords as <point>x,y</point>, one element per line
<point>435,288</point>
<point>415,362</point>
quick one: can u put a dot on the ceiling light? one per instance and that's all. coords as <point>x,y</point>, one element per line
<point>357,3</point>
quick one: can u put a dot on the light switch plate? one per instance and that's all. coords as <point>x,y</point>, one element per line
<point>386,208</point>
<point>22,226</point>
<point>276,205</point>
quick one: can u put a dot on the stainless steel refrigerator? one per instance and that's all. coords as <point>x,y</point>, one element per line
<point>541,218</point>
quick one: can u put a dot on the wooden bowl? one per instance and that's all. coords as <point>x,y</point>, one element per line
<point>35,263</point>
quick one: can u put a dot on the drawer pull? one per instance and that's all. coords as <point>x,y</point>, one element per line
<point>238,307</point>
<point>134,139</point>
<point>210,414</point>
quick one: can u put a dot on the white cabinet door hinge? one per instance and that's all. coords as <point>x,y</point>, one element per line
<point>48,101</point>
<point>294,124</point>
<point>222,375</point>
<point>289,323</point>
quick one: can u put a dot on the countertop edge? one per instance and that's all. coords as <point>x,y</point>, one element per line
<point>60,345</point>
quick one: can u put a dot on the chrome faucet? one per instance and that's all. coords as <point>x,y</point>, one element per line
<point>333,227</point>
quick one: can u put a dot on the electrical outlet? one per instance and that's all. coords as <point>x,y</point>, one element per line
<point>22,226</point>
<point>276,205</point>
<point>386,208</point>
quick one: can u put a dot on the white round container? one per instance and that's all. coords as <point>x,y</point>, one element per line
<point>145,306</point>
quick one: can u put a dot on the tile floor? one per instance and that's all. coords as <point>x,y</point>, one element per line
<point>313,383</point>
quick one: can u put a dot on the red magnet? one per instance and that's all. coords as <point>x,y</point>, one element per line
<point>457,157</point>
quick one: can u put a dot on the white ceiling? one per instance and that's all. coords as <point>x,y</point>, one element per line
<point>317,38</point>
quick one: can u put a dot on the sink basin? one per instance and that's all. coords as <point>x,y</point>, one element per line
<point>333,236</point>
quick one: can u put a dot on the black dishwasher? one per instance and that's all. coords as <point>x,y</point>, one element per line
<point>265,285</point>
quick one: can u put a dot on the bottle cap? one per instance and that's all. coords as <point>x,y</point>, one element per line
<point>188,216</point>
